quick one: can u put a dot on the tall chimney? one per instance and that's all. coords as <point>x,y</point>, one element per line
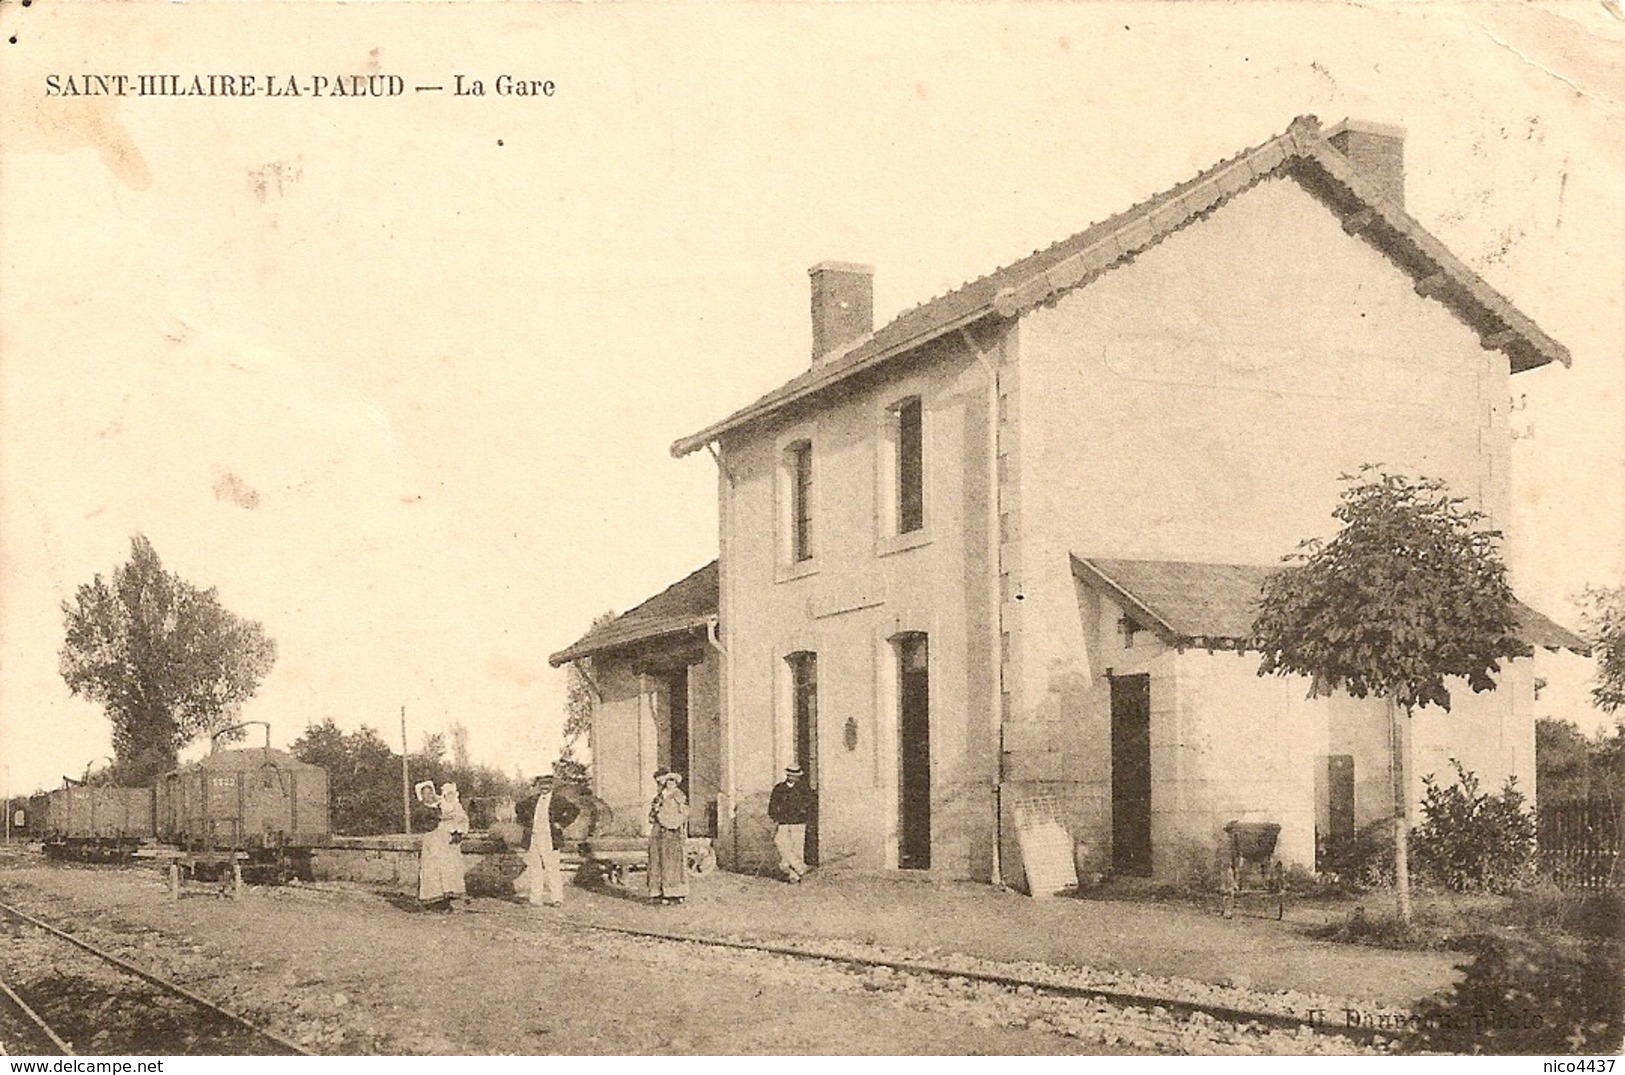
<point>1377,152</point>
<point>843,305</point>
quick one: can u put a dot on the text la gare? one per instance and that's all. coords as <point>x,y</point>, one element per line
<point>504,85</point>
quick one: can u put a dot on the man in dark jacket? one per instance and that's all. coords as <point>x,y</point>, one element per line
<point>543,871</point>
<point>561,811</point>
<point>790,806</point>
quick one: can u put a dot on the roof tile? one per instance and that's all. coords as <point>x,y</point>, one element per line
<point>1195,603</point>
<point>682,606</point>
<point>1034,279</point>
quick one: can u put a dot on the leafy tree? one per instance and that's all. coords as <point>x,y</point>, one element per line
<point>363,777</point>
<point>1573,768</point>
<point>578,707</point>
<point>1604,622</point>
<point>164,659</point>
<point>1408,594</point>
<point>479,786</point>
<point>1562,762</point>
<point>433,751</point>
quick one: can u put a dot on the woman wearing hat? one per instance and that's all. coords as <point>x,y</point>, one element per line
<point>668,839</point>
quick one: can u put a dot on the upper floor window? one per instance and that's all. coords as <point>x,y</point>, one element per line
<point>910,467</point>
<point>900,521</point>
<point>801,488</point>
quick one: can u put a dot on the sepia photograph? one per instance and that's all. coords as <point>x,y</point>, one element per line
<point>811,529</point>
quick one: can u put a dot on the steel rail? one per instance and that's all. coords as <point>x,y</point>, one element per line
<point>157,980</point>
<point>34,1017</point>
<point>1240,1016</point>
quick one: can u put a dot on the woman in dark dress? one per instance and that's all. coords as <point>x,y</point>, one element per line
<point>668,840</point>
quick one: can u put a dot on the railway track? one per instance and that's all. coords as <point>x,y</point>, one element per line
<point>1178,1010</point>
<point>1160,1019</point>
<point>1107,1007</point>
<point>1172,1006</point>
<point>78,999</point>
<point>27,1033</point>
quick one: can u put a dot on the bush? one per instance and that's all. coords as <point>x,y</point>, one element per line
<point>1379,929</point>
<point>1364,859</point>
<point>1531,996</point>
<point>1470,841</point>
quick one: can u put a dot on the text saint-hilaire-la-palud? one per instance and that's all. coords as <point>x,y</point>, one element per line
<point>165,85</point>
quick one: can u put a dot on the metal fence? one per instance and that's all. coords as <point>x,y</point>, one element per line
<point>1580,844</point>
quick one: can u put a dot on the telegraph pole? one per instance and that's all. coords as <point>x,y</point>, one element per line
<point>406,780</point>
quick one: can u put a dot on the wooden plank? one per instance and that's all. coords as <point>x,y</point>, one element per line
<point>1046,853</point>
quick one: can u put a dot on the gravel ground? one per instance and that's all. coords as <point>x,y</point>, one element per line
<point>1134,941</point>
<point>99,1009</point>
<point>342,970</point>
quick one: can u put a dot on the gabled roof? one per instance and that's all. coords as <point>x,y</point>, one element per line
<point>1301,150</point>
<point>1190,604</point>
<point>682,606</point>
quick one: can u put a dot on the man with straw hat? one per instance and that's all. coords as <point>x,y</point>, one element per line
<point>545,818</point>
<point>790,807</point>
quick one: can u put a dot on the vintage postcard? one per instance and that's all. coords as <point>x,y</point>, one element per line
<point>819,528</point>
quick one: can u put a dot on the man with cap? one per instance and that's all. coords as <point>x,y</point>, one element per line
<point>546,818</point>
<point>790,807</point>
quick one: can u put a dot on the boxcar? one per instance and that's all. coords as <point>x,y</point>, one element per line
<point>257,800</point>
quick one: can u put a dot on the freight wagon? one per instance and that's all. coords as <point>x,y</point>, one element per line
<point>255,806</point>
<point>96,823</point>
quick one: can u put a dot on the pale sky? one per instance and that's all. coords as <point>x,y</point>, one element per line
<point>399,376</point>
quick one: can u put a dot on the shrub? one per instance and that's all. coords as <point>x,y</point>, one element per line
<point>1364,859</point>
<point>1378,930</point>
<point>1530,996</point>
<point>1470,841</point>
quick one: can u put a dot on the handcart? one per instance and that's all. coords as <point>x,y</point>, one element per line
<point>1253,859</point>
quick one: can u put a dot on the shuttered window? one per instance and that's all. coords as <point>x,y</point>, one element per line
<point>801,482</point>
<point>910,468</point>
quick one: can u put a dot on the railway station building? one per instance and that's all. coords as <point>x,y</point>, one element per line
<point>997,560</point>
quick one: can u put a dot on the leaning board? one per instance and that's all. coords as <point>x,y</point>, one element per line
<point>1046,853</point>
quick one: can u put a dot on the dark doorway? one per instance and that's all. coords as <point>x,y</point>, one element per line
<point>1131,775</point>
<point>914,753</point>
<point>804,699</point>
<point>677,725</point>
<point>1340,797</point>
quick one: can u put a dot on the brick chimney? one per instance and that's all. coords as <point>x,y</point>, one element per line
<point>843,305</point>
<point>1377,152</point>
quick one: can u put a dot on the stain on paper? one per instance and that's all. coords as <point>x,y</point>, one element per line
<point>229,486</point>
<point>62,125</point>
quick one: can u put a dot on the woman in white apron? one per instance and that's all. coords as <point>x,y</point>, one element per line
<point>440,858</point>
